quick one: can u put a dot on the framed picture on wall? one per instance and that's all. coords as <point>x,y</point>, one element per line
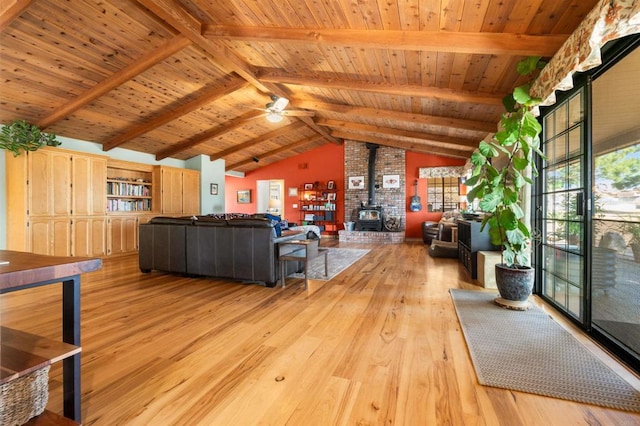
<point>391,181</point>
<point>214,189</point>
<point>356,182</point>
<point>308,186</point>
<point>244,196</point>
<point>331,185</point>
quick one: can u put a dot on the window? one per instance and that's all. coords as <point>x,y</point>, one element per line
<point>443,194</point>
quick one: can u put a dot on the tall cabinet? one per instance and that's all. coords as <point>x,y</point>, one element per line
<point>56,203</point>
<point>67,203</point>
<point>177,192</point>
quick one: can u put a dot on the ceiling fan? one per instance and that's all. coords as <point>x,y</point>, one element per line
<point>275,110</point>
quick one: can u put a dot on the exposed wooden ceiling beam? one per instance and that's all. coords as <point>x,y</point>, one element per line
<point>147,61</point>
<point>174,14</point>
<point>209,134</point>
<point>277,151</point>
<point>209,95</point>
<point>421,136</point>
<point>312,124</point>
<point>10,10</point>
<point>482,127</point>
<point>260,139</point>
<point>413,90</point>
<point>432,41</point>
<point>409,146</point>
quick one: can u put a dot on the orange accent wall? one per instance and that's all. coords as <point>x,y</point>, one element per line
<point>321,164</point>
<point>414,161</point>
<point>327,163</point>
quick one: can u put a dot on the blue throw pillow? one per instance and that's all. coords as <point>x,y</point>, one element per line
<point>276,222</point>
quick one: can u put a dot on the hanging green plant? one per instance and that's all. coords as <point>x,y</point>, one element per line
<point>20,135</point>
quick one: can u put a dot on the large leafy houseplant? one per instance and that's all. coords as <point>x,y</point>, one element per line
<point>503,167</point>
<point>20,135</point>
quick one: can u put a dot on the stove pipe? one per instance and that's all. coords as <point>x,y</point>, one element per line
<point>372,147</point>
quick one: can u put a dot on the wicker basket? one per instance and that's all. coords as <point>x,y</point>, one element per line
<point>24,398</point>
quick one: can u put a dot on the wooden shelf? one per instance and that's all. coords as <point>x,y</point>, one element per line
<point>23,353</point>
<point>50,418</point>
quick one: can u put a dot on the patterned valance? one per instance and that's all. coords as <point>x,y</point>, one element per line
<point>609,20</point>
<point>449,171</point>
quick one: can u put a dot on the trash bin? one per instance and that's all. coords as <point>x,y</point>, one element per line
<point>348,226</point>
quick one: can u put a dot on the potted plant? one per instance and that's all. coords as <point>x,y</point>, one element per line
<point>20,135</point>
<point>502,168</point>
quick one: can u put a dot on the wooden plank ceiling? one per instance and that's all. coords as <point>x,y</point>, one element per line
<point>179,78</point>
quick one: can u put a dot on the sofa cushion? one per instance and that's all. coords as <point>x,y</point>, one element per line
<point>171,220</point>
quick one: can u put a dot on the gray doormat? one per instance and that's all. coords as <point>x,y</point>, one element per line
<point>338,259</point>
<point>528,351</point>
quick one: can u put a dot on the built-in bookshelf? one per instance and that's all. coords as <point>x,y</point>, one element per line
<point>128,189</point>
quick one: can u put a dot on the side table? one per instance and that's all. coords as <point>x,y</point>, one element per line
<point>301,251</point>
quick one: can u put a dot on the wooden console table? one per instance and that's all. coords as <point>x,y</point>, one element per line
<point>302,251</point>
<point>28,270</point>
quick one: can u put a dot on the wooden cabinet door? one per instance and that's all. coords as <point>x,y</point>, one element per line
<point>89,177</point>
<point>50,236</point>
<point>49,183</point>
<point>190,192</point>
<point>89,236</point>
<point>39,236</point>
<point>39,182</point>
<point>81,189</point>
<point>98,178</point>
<point>60,183</point>
<point>61,236</point>
<point>122,235</point>
<point>115,245</point>
<point>81,237</point>
<point>171,191</point>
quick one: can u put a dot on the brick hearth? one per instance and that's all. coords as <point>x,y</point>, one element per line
<point>371,237</point>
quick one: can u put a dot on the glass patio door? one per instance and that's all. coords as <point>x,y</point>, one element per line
<point>615,283</point>
<point>588,204</point>
<point>562,210</point>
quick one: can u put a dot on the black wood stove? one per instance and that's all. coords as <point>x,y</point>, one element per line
<point>369,218</point>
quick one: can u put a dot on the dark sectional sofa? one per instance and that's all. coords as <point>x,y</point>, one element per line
<point>244,249</point>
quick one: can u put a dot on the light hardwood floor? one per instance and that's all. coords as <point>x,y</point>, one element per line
<point>380,344</point>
